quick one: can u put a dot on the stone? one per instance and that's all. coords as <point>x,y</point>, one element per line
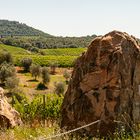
<point>105,85</point>
<point>9,117</point>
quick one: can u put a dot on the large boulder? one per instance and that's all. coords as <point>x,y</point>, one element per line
<point>9,117</point>
<point>105,85</point>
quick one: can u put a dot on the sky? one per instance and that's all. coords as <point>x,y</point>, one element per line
<point>75,17</point>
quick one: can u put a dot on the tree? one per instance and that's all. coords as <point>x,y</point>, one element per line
<point>5,56</point>
<point>12,82</point>
<point>66,75</point>
<point>59,88</point>
<point>45,75</point>
<point>26,63</point>
<point>53,66</point>
<point>6,71</point>
<point>35,70</point>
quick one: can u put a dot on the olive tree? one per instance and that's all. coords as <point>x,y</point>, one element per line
<point>35,70</point>
<point>12,82</point>
<point>53,67</point>
<point>26,63</point>
<point>6,71</point>
<point>59,88</point>
<point>5,56</point>
<point>45,75</point>
<point>66,75</point>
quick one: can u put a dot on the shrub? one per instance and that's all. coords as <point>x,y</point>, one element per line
<point>6,71</point>
<point>19,96</point>
<point>11,82</point>
<point>66,75</point>
<point>41,86</point>
<point>6,57</point>
<point>53,67</point>
<point>45,75</point>
<point>26,63</point>
<point>42,52</point>
<point>35,70</point>
<point>34,49</point>
<point>37,109</point>
<point>59,88</point>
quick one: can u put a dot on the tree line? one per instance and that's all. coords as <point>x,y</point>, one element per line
<point>35,43</point>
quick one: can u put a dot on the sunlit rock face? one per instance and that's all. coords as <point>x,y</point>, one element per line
<point>9,117</point>
<point>105,85</point>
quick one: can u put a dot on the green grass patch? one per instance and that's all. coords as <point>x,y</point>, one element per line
<point>13,50</point>
<point>64,51</point>
<point>63,57</point>
<point>62,61</point>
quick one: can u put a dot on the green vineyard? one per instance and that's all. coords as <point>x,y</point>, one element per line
<point>62,57</point>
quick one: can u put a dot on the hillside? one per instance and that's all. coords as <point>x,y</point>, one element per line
<point>14,50</point>
<point>14,28</point>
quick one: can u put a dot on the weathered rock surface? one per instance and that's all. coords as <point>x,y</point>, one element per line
<point>105,85</point>
<point>9,117</point>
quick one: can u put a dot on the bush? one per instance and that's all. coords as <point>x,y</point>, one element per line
<point>66,75</point>
<point>59,88</point>
<point>6,71</point>
<point>41,86</point>
<point>34,49</point>
<point>53,67</point>
<point>47,60</point>
<point>26,63</point>
<point>45,75</point>
<point>37,109</point>
<point>6,57</point>
<point>19,96</point>
<point>11,82</point>
<point>35,70</point>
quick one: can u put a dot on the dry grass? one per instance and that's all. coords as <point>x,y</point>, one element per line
<point>28,84</point>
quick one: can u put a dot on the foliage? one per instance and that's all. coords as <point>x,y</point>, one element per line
<point>14,28</point>
<point>64,51</point>
<point>26,63</point>
<point>62,61</point>
<point>34,49</point>
<point>41,86</point>
<point>5,57</point>
<point>37,109</point>
<point>53,65</point>
<point>6,71</point>
<point>66,74</point>
<point>48,42</point>
<point>12,82</point>
<point>26,132</point>
<point>63,57</point>
<point>45,75</point>
<point>59,88</point>
<point>13,50</point>
<point>35,70</point>
<point>19,96</point>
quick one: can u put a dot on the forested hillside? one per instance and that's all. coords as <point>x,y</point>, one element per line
<point>20,35</point>
<point>14,28</point>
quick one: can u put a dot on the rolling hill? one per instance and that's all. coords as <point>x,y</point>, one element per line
<point>14,28</point>
<point>17,34</point>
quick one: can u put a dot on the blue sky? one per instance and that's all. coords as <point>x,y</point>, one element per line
<point>75,17</point>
